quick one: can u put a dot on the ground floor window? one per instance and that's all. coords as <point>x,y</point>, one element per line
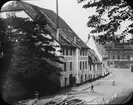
<point>81,78</point>
<point>85,77</point>
<point>65,81</point>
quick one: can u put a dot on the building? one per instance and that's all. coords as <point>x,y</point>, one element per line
<point>74,52</point>
<point>120,54</point>
<point>100,52</point>
<point>95,65</point>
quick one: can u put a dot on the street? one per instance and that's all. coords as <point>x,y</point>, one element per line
<point>104,91</point>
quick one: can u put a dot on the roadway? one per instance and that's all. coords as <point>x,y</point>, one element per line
<point>104,91</point>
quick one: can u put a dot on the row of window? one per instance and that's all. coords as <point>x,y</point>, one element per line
<point>83,65</point>
<point>67,66</point>
<point>91,67</point>
<point>89,77</point>
<point>83,52</point>
<point>120,57</point>
<point>70,51</point>
<point>66,51</point>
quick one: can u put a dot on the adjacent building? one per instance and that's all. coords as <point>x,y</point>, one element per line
<point>100,52</point>
<point>95,65</point>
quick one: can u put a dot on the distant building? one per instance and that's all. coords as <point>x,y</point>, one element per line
<point>95,65</point>
<point>100,52</point>
<point>120,54</point>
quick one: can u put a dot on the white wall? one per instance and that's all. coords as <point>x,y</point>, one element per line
<point>91,44</point>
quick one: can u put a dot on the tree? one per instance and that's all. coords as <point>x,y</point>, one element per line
<point>30,55</point>
<point>108,19</point>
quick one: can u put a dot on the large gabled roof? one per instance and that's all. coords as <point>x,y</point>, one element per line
<point>67,35</point>
<point>101,49</point>
<point>93,56</point>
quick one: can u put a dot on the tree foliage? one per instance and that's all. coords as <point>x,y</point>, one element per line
<point>30,47</point>
<point>108,18</point>
<point>29,54</point>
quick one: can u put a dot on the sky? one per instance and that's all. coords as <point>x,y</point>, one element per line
<point>73,14</point>
<point>70,11</point>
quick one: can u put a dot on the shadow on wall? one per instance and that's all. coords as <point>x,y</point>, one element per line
<point>13,90</point>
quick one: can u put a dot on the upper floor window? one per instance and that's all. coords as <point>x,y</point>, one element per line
<point>83,64</point>
<point>70,65</point>
<point>123,57</point>
<point>86,64</point>
<point>113,57</point>
<point>63,51</point>
<point>86,52</point>
<point>80,52</point>
<point>71,51</point>
<point>64,66</point>
<point>128,57</point>
<point>83,52</point>
<point>90,67</point>
<point>118,57</point>
<point>66,51</point>
<point>80,65</point>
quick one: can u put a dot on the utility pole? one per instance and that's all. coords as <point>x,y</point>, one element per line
<point>57,20</point>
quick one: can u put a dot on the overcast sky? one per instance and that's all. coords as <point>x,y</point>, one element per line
<point>74,15</point>
<point>72,12</point>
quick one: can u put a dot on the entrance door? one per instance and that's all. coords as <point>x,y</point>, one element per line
<point>71,81</point>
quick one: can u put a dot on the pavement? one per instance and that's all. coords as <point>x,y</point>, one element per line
<point>104,91</point>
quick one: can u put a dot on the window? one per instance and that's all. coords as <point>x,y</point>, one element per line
<point>83,52</point>
<point>80,65</point>
<point>128,57</point>
<point>86,64</point>
<point>90,68</point>
<point>63,51</point>
<point>70,65</point>
<point>118,57</point>
<point>66,51</point>
<point>65,81</point>
<point>80,52</point>
<point>85,77</point>
<point>94,67</point>
<point>108,63</point>
<point>71,51</point>
<point>83,64</point>
<point>113,57</point>
<point>86,52</point>
<point>123,56</point>
<point>64,66</point>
